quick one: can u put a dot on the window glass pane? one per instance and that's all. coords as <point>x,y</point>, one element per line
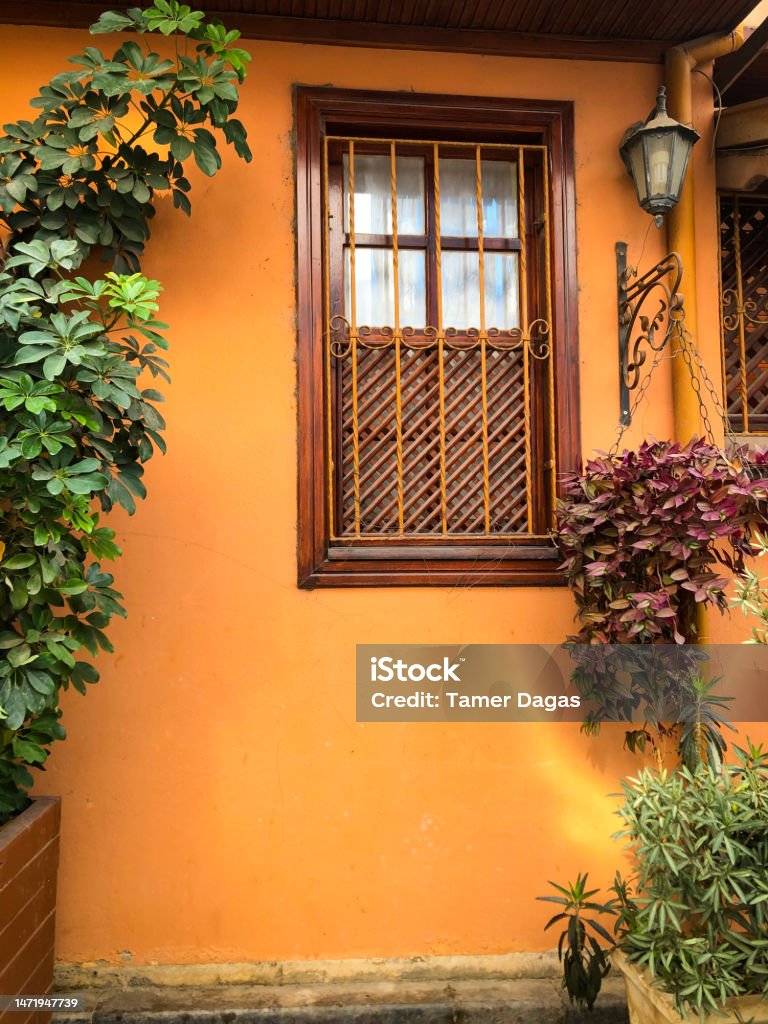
<point>374,287</point>
<point>373,194</point>
<point>410,195</point>
<point>458,198</point>
<point>501,290</point>
<point>461,289</point>
<point>499,179</point>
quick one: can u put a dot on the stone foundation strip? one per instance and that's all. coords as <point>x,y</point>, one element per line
<point>509,1001</point>
<point>497,967</point>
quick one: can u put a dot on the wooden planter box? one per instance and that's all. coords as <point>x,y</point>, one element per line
<point>649,1004</point>
<point>29,861</point>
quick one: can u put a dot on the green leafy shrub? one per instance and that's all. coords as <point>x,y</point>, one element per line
<point>77,419</point>
<point>696,913</point>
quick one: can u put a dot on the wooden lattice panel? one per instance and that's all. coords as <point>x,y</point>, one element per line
<point>744,289</point>
<point>423,485</point>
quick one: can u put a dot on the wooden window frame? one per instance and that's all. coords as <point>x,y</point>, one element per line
<point>484,561</point>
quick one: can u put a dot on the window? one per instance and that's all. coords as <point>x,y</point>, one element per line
<point>437,350</point>
<point>744,306</point>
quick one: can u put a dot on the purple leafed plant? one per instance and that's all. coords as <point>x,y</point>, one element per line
<point>646,535</point>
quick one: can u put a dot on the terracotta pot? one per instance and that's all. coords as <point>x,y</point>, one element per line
<point>648,1004</point>
<point>29,861</point>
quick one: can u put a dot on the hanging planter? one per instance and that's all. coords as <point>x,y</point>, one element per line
<point>648,538</point>
<point>645,537</point>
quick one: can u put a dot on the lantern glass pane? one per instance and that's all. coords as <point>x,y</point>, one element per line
<point>637,162</point>
<point>658,147</point>
<point>680,153</point>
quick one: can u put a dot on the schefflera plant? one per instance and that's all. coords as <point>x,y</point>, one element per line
<point>78,420</point>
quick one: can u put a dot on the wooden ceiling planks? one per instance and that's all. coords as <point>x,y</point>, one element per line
<point>598,29</point>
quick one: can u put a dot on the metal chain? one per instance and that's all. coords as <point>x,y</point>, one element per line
<point>639,395</point>
<point>682,344</point>
<point>713,392</point>
<point>687,349</point>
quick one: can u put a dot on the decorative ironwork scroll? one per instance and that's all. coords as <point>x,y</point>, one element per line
<point>535,339</point>
<point>639,331</point>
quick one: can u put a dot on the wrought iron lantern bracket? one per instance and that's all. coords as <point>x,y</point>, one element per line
<point>641,332</point>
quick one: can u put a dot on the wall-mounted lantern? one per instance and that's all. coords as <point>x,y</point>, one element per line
<point>656,154</point>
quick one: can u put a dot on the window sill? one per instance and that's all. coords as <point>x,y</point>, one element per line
<point>468,565</point>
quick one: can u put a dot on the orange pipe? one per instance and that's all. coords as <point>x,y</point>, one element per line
<point>681,221</point>
<point>681,233</point>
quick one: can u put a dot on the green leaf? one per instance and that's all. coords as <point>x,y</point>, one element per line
<point>63,251</point>
<point>54,365</point>
<point>72,586</point>
<point>85,672</point>
<point>17,189</point>
<point>16,562</point>
<point>206,158</point>
<point>181,202</point>
<point>140,192</point>
<point>18,656</point>
<point>121,496</point>
<point>181,147</point>
<point>87,483</point>
<point>19,595</point>
<point>15,709</point>
<point>87,231</point>
<point>30,752</point>
<point>235,134</point>
<point>31,353</point>
<point>111,21</point>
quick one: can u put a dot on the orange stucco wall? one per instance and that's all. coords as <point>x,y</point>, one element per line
<point>221,803</point>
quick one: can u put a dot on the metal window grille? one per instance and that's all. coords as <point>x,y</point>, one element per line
<point>744,310</point>
<point>435,429</point>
